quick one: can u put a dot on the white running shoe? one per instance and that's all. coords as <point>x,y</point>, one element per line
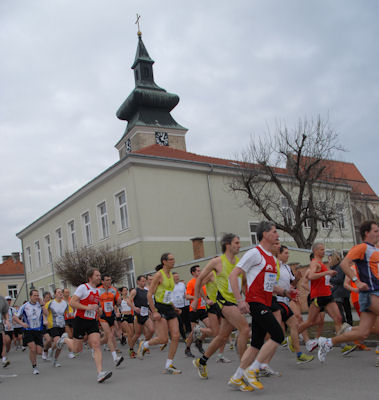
<point>56,364</point>
<point>44,356</point>
<point>71,355</point>
<point>323,348</point>
<point>35,371</point>
<point>49,354</point>
<point>60,342</point>
<point>222,359</point>
<point>311,345</point>
<point>103,375</point>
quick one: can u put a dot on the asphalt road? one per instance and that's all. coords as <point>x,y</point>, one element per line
<point>351,377</point>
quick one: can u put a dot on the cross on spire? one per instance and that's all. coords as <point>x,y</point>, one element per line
<point>137,22</point>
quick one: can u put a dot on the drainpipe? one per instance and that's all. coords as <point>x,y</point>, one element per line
<point>212,208</point>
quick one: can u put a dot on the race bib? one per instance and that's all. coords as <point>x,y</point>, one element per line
<point>60,321</point>
<point>167,299</point>
<point>90,314</point>
<point>108,306</point>
<point>35,322</point>
<point>327,280</point>
<point>179,301</point>
<point>144,311</point>
<point>202,302</point>
<point>269,282</point>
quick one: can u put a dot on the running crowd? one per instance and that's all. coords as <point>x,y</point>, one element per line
<point>212,305</point>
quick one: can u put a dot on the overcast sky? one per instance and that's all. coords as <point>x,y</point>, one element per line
<point>237,66</point>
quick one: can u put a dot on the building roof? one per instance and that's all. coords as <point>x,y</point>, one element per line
<point>9,267</point>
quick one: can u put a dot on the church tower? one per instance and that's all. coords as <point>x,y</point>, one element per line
<point>147,110</point>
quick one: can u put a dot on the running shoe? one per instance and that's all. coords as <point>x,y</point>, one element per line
<point>60,342</point>
<point>6,363</point>
<point>348,349</point>
<point>284,343</point>
<point>35,371</point>
<point>103,375</point>
<point>240,385</point>
<point>323,349</point>
<point>132,354</point>
<point>118,360</point>
<point>141,350</point>
<point>290,344</point>
<point>251,376</point>
<point>197,332</point>
<point>201,369</point>
<point>50,354</point>
<point>231,346</point>
<point>123,340</point>
<point>304,358</point>
<point>311,345</point>
<point>172,370</point>
<point>56,364</point>
<point>361,346</point>
<point>44,356</point>
<point>222,359</point>
<point>377,349</point>
<point>199,345</point>
<point>267,371</point>
<point>147,351</point>
<point>71,355</point>
<point>163,346</point>
<point>345,327</point>
<point>188,352</point>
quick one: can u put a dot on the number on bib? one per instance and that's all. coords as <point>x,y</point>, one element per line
<point>90,314</point>
<point>270,280</point>
<point>167,299</point>
<point>144,311</point>
<point>108,306</point>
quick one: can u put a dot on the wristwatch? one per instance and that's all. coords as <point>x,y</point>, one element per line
<point>354,278</point>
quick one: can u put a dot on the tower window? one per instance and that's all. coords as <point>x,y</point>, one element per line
<point>146,72</point>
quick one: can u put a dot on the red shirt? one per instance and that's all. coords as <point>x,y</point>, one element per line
<point>321,287</point>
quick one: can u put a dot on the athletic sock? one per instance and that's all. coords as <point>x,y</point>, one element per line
<point>145,345</point>
<point>168,363</point>
<point>238,374</point>
<point>255,365</point>
<point>203,360</point>
<point>114,355</point>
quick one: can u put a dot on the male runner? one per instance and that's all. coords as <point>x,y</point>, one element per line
<point>8,333</point>
<point>109,298</point>
<point>196,315</point>
<point>260,268</point>
<point>366,257</point>
<point>69,318</point>
<point>32,314</point>
<point>86,302</point>
<point>140,305</point>
<point>4,306</point>
<point>163,313</point>
<point>179,301</point>
<point>232,317</point>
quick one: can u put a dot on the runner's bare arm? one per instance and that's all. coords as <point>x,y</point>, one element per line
<point>152,289</point>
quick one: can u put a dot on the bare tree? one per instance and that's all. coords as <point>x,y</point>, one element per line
<point>73,265</point>
<point>286,177</point>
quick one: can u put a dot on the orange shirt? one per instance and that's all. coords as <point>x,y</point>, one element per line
<point>191,292</point>
<point>108,299</point>
<point>354,296</point>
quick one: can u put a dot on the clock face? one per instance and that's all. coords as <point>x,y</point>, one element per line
<point>161,138</point>
<point>128,146</point>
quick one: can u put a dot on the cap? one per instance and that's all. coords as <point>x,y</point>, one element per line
<point>8,298</point>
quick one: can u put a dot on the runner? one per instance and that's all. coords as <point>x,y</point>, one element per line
<point>4,321</point>
<point>47,340</point>
<point>140,306</point>
<point>32,314</point>
<point>321,294</point>
<point>287,281</point>
<point>8,333</point>
<point>163,313</point>
<point>232,317</point>
<point>56,324</point>
<point>69,318</point>
<point>366,257</point>
<point>197,315</point>
<point>260,268</point>
<point>179,301</point>
<point>86,302</point>
<point>127,318</point>
<point>109,298</point>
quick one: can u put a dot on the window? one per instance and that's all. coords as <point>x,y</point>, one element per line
<point>29,259</point>
<point>71,235</point>
<point>87,229</point>
<point>49,256</point>
<point>340,216</point>
<point>130,276</point>
<point>103,220</point>
<point>38,254</point>
<point>123,212</point>
<point>253,232</point>
<point>325,214</point>
<point>12,291</point>
<point>58,235</point>
<point>286,212</point>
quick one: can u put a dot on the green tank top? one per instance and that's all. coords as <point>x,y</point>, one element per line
<point>222,279</point>
<point>163,294</point>
<point>212,289</point>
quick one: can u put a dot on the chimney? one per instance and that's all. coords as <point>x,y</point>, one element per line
<point>198,247</point>
<point>16,256</point>
<point>5,258</point>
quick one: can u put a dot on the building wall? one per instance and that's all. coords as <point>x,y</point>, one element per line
<point>167,204</point>
<point>18,281</point>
